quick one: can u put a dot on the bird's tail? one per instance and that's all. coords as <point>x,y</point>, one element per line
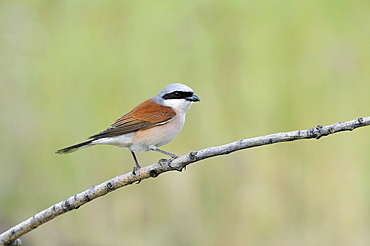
<point>74,148</point>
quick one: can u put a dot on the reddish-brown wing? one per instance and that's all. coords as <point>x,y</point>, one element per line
<point>146,115</point>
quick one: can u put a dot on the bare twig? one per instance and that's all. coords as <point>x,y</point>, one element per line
<point>10,236</point>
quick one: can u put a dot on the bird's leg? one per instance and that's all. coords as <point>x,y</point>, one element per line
<point>137,166</point>
<point>166,153</point>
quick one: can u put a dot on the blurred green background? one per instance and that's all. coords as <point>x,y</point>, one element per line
<point>68,69</point>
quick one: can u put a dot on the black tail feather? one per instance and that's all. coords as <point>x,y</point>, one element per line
<point>73,148</point>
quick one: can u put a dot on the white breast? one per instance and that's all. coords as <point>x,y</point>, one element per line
<point>157,136</point>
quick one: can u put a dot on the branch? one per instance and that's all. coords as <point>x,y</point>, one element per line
<point>10,237</point>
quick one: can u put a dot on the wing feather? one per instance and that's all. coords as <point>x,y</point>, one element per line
<point>144,116</point>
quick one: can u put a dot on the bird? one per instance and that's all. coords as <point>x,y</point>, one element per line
<point>151,124</point>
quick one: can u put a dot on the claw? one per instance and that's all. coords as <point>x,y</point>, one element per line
<point>181,169</point>
<point>136,168</point>
<point>161,162</point>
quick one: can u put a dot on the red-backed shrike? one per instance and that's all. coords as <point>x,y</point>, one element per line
<point>153,123</point>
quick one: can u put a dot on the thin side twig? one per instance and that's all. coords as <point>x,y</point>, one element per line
<point>10,237</point>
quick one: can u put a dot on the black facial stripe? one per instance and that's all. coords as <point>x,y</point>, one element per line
<point>178,95</point>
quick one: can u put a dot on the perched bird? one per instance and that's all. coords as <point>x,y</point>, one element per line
<point>152,123</point>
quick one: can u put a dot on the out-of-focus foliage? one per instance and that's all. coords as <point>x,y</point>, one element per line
<point>70,68</point>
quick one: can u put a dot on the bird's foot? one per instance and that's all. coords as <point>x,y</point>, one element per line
<point>162,162</point>
<point>173,156</point>
<point>135,170</point>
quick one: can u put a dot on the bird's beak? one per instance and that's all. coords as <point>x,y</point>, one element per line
<point>193,98</point>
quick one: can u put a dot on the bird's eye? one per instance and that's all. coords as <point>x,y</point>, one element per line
<point>177,94</point>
